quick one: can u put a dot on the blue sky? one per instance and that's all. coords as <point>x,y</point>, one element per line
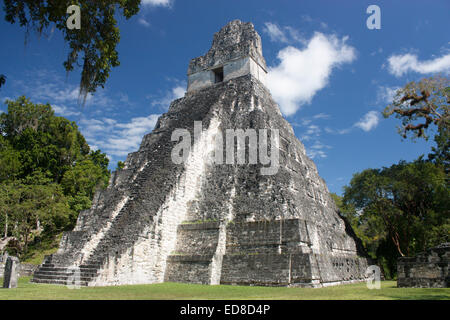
<point>343,73</point>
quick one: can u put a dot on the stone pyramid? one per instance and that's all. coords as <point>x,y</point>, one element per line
<point>208,222</point>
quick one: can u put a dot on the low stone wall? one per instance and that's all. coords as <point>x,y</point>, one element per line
<point>427,270</point>
<point>188,269</point>
<point>27,269</point>
<point>266,269</point>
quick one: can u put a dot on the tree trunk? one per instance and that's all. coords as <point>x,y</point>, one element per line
<point>6,224</point>
<point>397,243</point>
<point>26,241</point>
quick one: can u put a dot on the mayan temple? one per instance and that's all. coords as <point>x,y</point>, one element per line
<point>206,222</point>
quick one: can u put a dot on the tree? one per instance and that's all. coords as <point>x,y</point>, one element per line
<point>80,183</point>
<point>10,166</point>
<point>441,152</point>
<point>33,208</point>
<point>120,165</point>
<point>406,204</point>
<point>423,105</point>
<point>40,139</point>
<point>8,197</point>
<point>48,173</point>
<point>95,43</point>
<point>420,105</point>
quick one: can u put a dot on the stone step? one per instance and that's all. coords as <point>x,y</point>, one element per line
<point>55,269</point>
<point>190,258</point>
<point>199,225</point>
<point>59,282</point>
<point>49,265</point>
<point>62,277</point>
<point>91,265</point>
<point>53,273</point>
<point>66,270</point>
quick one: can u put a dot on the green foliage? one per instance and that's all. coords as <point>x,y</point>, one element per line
<point>48,173</point>
<point>41,140</point>
<point>420,105</point>
<point>10,165</point>
<point>349,212</point>
<point>31,208</point>
<point>120,165</point>
<point>93,46</point>
<point>440,153</point>
<point>402,209</point>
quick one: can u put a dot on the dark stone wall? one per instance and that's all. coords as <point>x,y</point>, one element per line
<point>429,269</point>
<point>266,269</point>
<point>188,269</point>
<point>283,236</point>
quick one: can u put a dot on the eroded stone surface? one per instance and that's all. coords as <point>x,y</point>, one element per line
<point>236,51</point>
<point>201,222</point>
<point>429,269</point>
<point>11,273</point>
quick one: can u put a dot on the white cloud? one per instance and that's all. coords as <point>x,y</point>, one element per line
<point>178,92</point>
<point>103,126</point>
<point>274,32</point>
<point>338,131</point>
<point>321,116</point>
<point>302,73</point>
<point>386,94</point>
<point>314,154</point>
<point>175,93</point>
<point>144,22</point>
<point>317,150</point>
<point>401,64</point>
<point>285,34</point>
<point>114,138</point>
<point>379,51</point>
<point>369,121</point>
<point>48,87</point>
<point>64,111</point>
<point>157,3</point>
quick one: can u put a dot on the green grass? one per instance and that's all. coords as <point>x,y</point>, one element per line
<point>359,291</point>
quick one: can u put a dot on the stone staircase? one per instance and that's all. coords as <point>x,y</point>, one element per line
<point>114,240</point>
<point>51,274</point>
<point>54,273</point>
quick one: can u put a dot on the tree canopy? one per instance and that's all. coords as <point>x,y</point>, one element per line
<point>93,46</point>
<point>48,174</point>
<point>421,104</point>
<point>404,207</point>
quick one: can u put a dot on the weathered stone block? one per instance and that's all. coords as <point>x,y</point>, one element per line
<point>11,274</point>
<point>429,269</point>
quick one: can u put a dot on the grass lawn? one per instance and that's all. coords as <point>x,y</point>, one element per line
<point>178,291</point>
